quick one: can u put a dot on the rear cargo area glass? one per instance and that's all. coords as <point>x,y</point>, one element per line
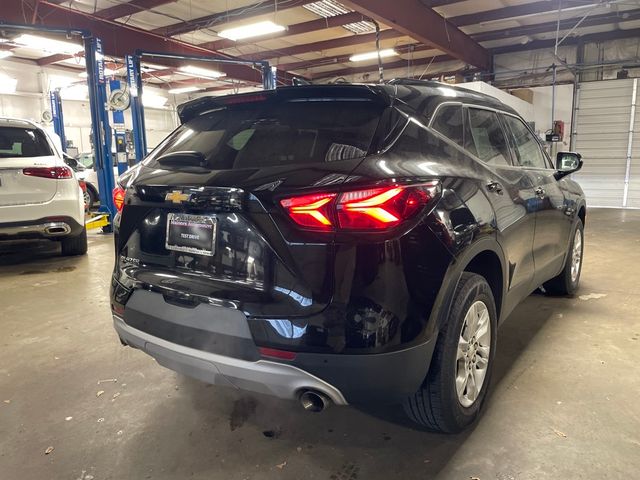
<point>23,142</point>
<point>277,133</point>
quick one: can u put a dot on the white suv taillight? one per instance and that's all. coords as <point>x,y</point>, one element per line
<point>56,173</point>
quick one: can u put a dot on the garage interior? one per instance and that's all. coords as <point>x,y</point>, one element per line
<point>75,404</point>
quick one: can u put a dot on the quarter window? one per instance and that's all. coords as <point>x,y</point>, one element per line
<point>448,122</point>
<point>485,138</point>
<point>526,148</point>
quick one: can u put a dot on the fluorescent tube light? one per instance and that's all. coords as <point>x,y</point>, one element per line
<point>201,72</point>
<point>48,45</point>
<point>176,91</point>
<point>252,30</point>
<point>360,57</point>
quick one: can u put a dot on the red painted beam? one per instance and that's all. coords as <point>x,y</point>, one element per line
<point>58,57</point>
<point>119,40</point>
<point>133,6</point>
<point>242,13</point>
<point>550,42</point>
<point>568,23</point>
<point>423,24</point>
<point>326,45</point>
<point>321,62</point>
<point>296,29</point>
<point>534,8</point>
<point>387,66</point>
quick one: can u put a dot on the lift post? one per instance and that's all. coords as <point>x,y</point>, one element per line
<point>119,131</point>
<point>101,131</point>
<point>57,117</point>
<point>134,79</point>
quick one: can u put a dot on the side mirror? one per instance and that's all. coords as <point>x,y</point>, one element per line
<point>567,163</point>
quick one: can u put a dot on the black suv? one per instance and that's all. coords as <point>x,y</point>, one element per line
<point>343,243</point>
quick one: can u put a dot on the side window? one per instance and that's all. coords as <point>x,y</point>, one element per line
<point>526,148</point>
<point>485,138</point>
<point>448,122</point>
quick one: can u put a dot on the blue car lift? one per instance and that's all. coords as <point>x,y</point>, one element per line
<point>100,129</point>
<point>57,117</point>
<point>134,79</point>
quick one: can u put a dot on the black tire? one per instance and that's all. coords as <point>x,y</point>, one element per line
<point>436,405</point>
<point>564,284</point>
<point>93,197</point>
<point>75,245</point>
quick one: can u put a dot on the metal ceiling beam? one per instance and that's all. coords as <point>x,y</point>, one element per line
<point>133,6</point>
<point>534,8</point>
<point>296,29</point>
<point>323,62</point>
<point>53,59</point>
<point>568,23</point>
<point>413,18</point>
<point>550,42</point>
<point>387,66</point>
<point>325,45</point>
<point>242,13</point>
<point>119,40</point>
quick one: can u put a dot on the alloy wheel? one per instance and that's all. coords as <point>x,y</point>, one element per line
<point>472,359</point>
<point>576,256</point>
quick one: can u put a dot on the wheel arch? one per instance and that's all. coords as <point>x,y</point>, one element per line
<point>484,257</point>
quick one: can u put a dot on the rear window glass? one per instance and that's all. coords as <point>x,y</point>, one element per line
<point>274,133</point>
<point>23,142</point>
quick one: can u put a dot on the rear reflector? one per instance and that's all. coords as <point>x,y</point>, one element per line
<point>281,354</point>
<point>370,209</point>
<point>56,173</point>
<point>118,198</point>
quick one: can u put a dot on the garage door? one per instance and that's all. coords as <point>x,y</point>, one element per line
<point>603,116</point>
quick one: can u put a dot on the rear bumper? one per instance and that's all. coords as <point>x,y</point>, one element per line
<point>49,227</point>
<point>263,376</point>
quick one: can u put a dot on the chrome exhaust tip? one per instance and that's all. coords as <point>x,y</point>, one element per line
<point>313,401</point>
<point>55,229</point>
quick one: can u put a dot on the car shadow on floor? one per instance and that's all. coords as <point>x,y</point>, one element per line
<point>24,257</point>
<point>215,418</point>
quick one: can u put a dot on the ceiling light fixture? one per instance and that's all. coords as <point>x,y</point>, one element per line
<point>177,91</point>
<point>361,57</point>
<point>252,30</point>
<point>48,45</point>
<point>200,72</point>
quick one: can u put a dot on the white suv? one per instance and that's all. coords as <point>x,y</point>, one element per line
<point>39,195</point>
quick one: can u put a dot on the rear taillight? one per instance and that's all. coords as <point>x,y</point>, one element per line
<point>118,197</point>
<point>56,173</point>
<point>313,211</point>
<point>372,209</point>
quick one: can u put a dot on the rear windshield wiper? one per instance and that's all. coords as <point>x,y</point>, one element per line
<point>183,159</point>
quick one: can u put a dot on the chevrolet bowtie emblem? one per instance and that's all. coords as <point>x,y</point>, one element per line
<point>177,197</point>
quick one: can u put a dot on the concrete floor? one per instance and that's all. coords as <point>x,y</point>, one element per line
<point>564,403</point>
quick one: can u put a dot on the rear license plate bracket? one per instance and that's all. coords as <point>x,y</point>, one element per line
<point>194,234</point>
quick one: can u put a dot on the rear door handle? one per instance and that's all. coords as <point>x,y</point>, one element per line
<point>540,192</point>
<point>495,187</point>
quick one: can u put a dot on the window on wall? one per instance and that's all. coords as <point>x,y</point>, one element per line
<point>525,147</point>
<point>448,122</point>
<point>485,138</point>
